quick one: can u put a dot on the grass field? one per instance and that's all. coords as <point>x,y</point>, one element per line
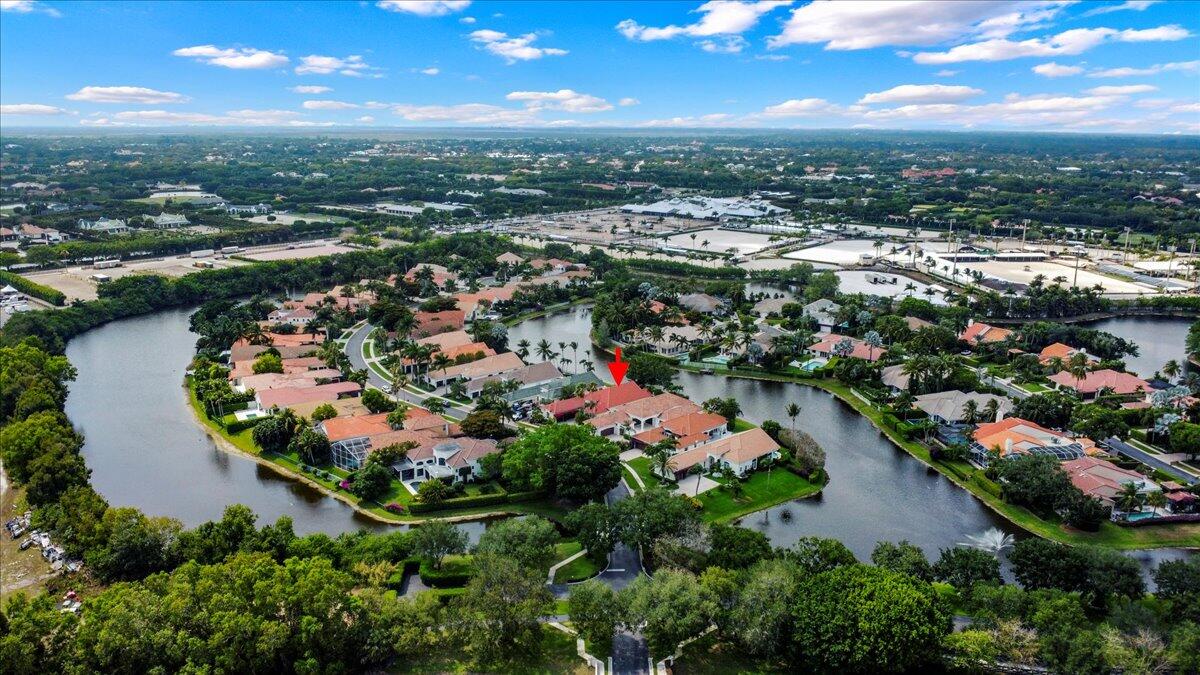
<point>763,490</point>
<point>579,569</point>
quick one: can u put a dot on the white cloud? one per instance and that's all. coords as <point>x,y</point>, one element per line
<point>513,49</point>
<point>30,109</point>
<point>722,21</point>
<point>771,57</point>
<point>351,66</point>
<point>628,101</point>
<point>563,99</point>
<point>430,71</point>
<point>329,105</point>
<point>1122,90</point>
<point>28,7</point>
<point>424,7</point>
<point>126,95</point>
<point>802,107</point>
<point>230,118</point>
<point>466,113</point>
<point>879,23</point>
<point>467,20</point>
<point>245,58</point>
<point>365,119</point>
<point>713,120</point>
<point>947,73</point>
<point>922,93</point>
<point>1128,5</point>
<point>310,89</point>
<point>1053,69</point>
<point>1180,66</point>
<point>1071,42</point>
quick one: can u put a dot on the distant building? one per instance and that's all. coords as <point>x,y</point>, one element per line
<point>978,333</point>
<point>247,209</point>
<point>102,226</point>
<point>167,220</point>
<point>707,208</point>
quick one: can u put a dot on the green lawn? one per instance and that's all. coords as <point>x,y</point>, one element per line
<point>740,424</point>
<point>1034,387</point>
<point>577,570</point>
<point>763,489</point>
<point>557,655</point>
<point>641,465</point>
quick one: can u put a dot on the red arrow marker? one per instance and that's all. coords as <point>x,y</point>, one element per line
<point>617,368</point>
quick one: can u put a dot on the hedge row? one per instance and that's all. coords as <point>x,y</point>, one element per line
<point>476,501</point>
<point>39,291</point>
<point>239,426</point>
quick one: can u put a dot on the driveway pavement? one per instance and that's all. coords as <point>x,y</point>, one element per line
<point>354,350</point>
<point>687,485</point>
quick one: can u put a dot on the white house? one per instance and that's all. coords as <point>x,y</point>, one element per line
<point>168,220</point>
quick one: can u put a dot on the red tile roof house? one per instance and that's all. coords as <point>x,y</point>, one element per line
<point>641,415</point>
<point>741,452</point>
<point>432,323</point>
<point>688,431</point>
<point>861,350</point>
<point>1062,351</point>
<point>978,333</point>
<point>351,439</point>
<point>596,402</point>
<point>1121,384</point>
<point>285,396</point>
<point>1104,480</point>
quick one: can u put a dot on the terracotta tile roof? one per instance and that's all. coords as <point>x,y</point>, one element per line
<point>286,396</point>
<point>454,338</point>
<point>1094,381</point>
<point>341,428</point>
<point>429,323</point>
<point>861,349</point>
<point>663,406</point>
<point>603,399</point>
<point>1101,479</point>
<point>1014,434</point>
<point>695,423</point>
<point>489,365</point>
<point>981,332</point>
<point>735,449</point>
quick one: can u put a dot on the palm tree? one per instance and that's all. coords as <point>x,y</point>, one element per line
<point>441,362</point>
<point>874,340</point>
<point>544,350</point>
<point>1171,369</point>
<point>909,288</point>
<point>1130,498</point>
<point>970,411</point>
<point>1078,366</point>
<point>523,349</point>
<point>575,352</point>
<point>793,411</point>
<point>1156,500</point>
<point>991,410</point>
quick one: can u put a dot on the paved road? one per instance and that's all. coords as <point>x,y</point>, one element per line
<point>1012,391</point>
<point>1123,448</point>
<point>354,350</point>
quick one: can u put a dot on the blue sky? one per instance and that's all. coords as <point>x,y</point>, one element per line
<point>1065,66</point>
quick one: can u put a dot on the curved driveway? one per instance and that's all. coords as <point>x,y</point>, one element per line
<point>354,350</point>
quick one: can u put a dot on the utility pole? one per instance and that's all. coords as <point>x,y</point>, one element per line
<point>1125,257</point>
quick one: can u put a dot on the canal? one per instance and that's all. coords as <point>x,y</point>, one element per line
<point>1159,339</point>
<point>146,449</point>
<point>877,492</point>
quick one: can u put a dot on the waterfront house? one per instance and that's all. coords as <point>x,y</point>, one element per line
<point>688,431</point>
<point>597,401</point>
<point>450,459</point>
<point>283,397</point>
<point>641,414</point>
<point>1016,435</point>
<point>1104,480</point>
<point>978,333</point>
<point>351,439</point>
<point>740,453</point>
<point>298,317</point>
<point>769,306</point>
<point>1121,384</point>
<point>828,347</point>
<point>675,340</point>
<point>949,407</point>
<point>895,378</point>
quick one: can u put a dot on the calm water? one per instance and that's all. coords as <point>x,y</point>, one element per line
<point>1159,340</point>
<point>146,449</point>
<point>877,492</point>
